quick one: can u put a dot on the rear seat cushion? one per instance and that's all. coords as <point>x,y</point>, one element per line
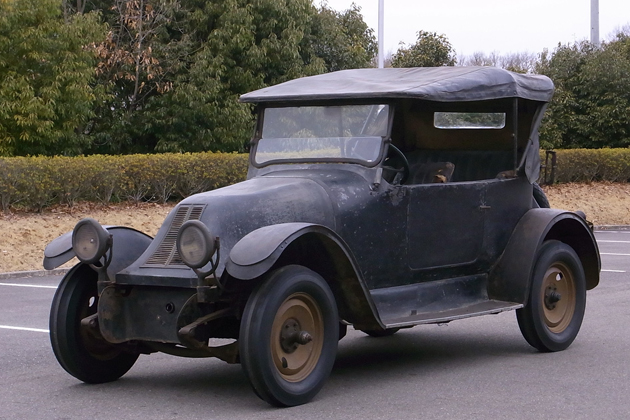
<point>469,165</point>
<point>426,173</point>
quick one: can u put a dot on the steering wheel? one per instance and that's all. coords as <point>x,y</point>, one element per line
<point>396,162</point>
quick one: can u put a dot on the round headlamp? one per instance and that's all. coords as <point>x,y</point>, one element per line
<point>89,241</point>
<point>195,244</point>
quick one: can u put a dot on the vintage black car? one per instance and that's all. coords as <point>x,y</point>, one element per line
<point>375,198</point>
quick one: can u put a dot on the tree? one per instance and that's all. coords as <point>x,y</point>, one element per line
<point>138,60</point>
<point>430,50</point>
<point>46,77</point>
<point>167,74</point>
<point>342,39</point>
<point>235,46</point>
<point>516,62</point>
<point>590,106</point>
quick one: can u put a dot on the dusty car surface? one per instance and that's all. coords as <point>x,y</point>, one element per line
<point>375,198</point>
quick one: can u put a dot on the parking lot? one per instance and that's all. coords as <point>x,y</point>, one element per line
<point>477,368</point>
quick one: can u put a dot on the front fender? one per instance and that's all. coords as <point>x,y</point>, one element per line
<point>316,247</point>
<point>510,278</point>
<point>257,251</point>
<point>128,245</point>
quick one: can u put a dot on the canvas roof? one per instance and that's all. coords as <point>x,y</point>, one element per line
<point>442,84</point>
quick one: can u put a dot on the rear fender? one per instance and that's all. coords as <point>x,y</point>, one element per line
<point>313,246</point>
<point>128,245</point>
<point>510,278</point>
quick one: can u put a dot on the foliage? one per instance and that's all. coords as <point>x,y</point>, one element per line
<point>516,62</point>
<point>34,183</point>
<point>175,68</point>
<point>143,76</point>
<point>430,50</point>
<point>47,93</point>
<point>591,105</point>
<point>590,165</point>
<point>342,39</point>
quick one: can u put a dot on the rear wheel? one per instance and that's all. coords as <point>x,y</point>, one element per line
<point>553,315</point>
<point>82,354</point>
<point>288,336</point>
<point>540,197</point>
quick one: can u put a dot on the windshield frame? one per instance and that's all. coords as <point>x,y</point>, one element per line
<point>260,122</point>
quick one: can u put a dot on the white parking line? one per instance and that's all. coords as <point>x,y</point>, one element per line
<point>28,285</point>
<point>8,327</point>
<point>614,253</point>
<point>616,242</point>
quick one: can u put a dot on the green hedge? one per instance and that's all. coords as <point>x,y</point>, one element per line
<point>590,165</point>
<point>34,183</point>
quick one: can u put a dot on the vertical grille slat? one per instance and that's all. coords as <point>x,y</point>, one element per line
<point>166,253</point>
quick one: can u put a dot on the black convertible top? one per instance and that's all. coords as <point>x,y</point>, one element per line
<point>442,84</point>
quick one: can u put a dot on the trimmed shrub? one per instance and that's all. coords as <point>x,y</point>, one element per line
<point>591,165</point>
<point>33,183</point>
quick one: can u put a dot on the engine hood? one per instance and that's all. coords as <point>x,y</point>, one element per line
<point>231,213</point>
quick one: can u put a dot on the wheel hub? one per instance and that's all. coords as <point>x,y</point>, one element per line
<point>291,336</point>
<point>552,297</point>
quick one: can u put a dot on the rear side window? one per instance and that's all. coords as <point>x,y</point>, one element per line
<point>469,120</point>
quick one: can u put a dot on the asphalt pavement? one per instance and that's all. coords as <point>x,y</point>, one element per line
<point>477,368</point>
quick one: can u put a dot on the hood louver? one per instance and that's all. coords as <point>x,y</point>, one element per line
<point>166,254</point>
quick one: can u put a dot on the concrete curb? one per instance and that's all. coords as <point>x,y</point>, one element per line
<point>612,227</point>
<point>35,273</point>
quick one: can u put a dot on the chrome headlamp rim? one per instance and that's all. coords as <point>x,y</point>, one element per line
<point>89,241</point>
<point>195,230</point>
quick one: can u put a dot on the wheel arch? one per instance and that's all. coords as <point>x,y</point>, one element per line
<point>510,278</point>
<point>315,247</point>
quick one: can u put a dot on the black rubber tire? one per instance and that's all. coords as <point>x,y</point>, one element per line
<point>545,326</point>
<point>381,333</point>
<point>82,355</point>
<point>540,196</point>
<point>260,350</point>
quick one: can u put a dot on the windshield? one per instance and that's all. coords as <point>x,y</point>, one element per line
<point>320,133</point>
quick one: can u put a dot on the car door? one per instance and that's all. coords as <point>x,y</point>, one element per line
<point>445,226</point>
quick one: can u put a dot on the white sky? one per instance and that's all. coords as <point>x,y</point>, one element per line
<point>504,26</point>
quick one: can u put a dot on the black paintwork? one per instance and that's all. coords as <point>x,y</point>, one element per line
<point>394,255</point>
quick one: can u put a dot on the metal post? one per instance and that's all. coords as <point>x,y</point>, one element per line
<point>381,61</point>
<point>595,23</point>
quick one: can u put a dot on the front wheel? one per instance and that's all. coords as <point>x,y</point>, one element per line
<point>83,355</point>
<point>288,336</point>
<point>553,315</point>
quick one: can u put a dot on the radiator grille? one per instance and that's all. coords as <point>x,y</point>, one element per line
<point>166,254</point>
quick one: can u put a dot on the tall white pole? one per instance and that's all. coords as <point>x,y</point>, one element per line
<point>381,61</point>
<point>595,23</point>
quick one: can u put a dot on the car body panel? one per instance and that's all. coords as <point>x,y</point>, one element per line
<point>458,239</point>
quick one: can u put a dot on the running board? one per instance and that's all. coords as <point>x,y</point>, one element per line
<point>482,308</point>
<point>437,301</point>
